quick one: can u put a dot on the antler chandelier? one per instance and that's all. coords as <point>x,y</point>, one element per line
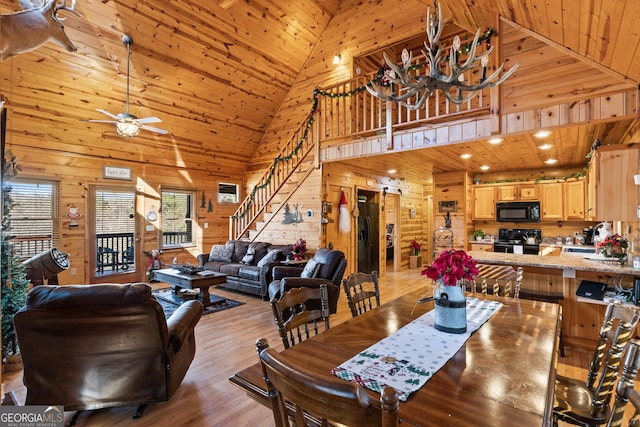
<point>406,83</point>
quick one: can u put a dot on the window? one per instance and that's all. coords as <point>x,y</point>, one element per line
<point>227,193</point>
<point>177,218</point>
<point>33,215</point>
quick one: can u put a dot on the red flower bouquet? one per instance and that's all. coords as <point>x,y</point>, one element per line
<point>415,246</point>
<point>614,246</point>
<point>299,248</point>
<point>451,266</point>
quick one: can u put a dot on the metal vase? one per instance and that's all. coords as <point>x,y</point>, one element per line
<point>451,310</point>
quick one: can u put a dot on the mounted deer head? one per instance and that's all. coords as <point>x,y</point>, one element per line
<point>29,29</point>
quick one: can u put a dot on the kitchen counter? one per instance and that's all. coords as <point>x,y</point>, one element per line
<point>562,275</point>
<point>561,262</point>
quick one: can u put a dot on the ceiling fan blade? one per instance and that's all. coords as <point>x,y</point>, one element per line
<point>107,113</point>
<point>99,121</point>
<point>152,129</point>
<point>148,120</point>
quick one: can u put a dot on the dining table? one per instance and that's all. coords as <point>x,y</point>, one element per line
<point>503,375</point>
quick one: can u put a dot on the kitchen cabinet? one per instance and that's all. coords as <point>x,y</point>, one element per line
<point>484,202</point>
<point>551,201</point>
<point>574,201</point>
<point>515,192</point>
<point>484,247</point>
<point>616,193</point>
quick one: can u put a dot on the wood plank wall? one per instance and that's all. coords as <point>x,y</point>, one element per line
<point>78,173</point>
<point>413,199</point>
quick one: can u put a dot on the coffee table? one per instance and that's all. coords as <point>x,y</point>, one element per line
<point>180,280</point>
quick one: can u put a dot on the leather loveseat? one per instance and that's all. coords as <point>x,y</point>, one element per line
<point>88,347</point>
<point>247,265</point>
<point>327,266</point>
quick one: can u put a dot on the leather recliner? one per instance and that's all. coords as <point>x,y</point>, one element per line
<point>87,347</point>
<point>330,267</point>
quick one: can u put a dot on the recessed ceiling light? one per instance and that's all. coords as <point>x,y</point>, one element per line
<point>542,134</point>
<point>545,146</point>
<point>495,141</point>
<point>484,167</point>
<point>465,156</point>
<point>551,161</point>
<point>392,171</point>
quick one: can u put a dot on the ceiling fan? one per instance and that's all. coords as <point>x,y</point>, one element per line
<point>126,123</point>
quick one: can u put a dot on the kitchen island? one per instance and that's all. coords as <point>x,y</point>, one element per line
<point>561,275</point>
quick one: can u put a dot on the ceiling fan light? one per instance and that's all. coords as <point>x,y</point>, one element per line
<point>127,129</point>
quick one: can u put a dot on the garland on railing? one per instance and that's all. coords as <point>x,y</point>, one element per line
<point>379,79</point>
<point>574,175</point>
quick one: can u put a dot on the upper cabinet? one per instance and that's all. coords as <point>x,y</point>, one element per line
<point>551,201</point>
<point>574,199</point>
<point>513,192</point>
<point>484,202</point>
<point>559,200</point>
<point>616,195</point>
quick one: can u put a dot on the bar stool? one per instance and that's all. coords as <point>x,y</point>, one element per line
<point>497,274</point>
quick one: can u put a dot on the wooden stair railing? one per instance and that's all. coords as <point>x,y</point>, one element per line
<point>292,154</point>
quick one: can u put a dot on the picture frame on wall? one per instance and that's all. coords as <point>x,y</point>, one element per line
<point>448,206</point>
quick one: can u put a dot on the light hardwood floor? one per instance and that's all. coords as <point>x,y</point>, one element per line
<point>225,345</point>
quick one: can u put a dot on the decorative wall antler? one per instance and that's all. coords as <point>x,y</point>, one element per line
<point>30,28</point>
<point>407,84</point>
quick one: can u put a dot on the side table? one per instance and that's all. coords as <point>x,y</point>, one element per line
<point>415,261</point>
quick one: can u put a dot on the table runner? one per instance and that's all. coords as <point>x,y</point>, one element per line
<point>407,359</point>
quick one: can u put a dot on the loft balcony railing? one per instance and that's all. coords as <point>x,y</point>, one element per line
<point>360,114</point>
<point>343,112</point>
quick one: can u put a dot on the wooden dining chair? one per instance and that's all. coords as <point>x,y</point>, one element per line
<point>361,290</point>
<point>300,311</point>
<point>588,403</point>
<point>499,276</point>
<point>624,390</point>
<point>301,398</point>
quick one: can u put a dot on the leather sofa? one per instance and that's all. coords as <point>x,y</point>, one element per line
<point>88,347</point>
<point>327,266</point>
<point>245,273</point>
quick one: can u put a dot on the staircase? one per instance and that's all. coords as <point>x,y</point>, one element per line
<point>292,165</point>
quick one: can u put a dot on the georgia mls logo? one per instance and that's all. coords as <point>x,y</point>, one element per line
<point>31,416</point>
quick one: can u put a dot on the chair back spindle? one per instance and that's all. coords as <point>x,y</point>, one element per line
<point>294,317</point>
<point>588,403</point>
<point>624,389</point>
<point>361,290</point>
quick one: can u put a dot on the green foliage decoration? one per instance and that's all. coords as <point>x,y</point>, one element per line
<point>14,281</point>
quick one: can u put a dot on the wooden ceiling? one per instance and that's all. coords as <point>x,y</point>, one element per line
<point>218,72</point>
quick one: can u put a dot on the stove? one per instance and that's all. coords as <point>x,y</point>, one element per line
<point>513,240</point>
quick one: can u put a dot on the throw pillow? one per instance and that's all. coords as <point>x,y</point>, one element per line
<point>271,256</point>
<point>311,269</point>
<point>221,253</point>
<point>248,257</point>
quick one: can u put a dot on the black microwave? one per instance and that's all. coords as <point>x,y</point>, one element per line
<point>518,211</point>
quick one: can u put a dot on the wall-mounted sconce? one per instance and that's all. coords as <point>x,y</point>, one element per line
<point>636,179</point>
<point>337,59</point>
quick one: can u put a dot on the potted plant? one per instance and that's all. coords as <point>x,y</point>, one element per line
<point>479,234</point>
